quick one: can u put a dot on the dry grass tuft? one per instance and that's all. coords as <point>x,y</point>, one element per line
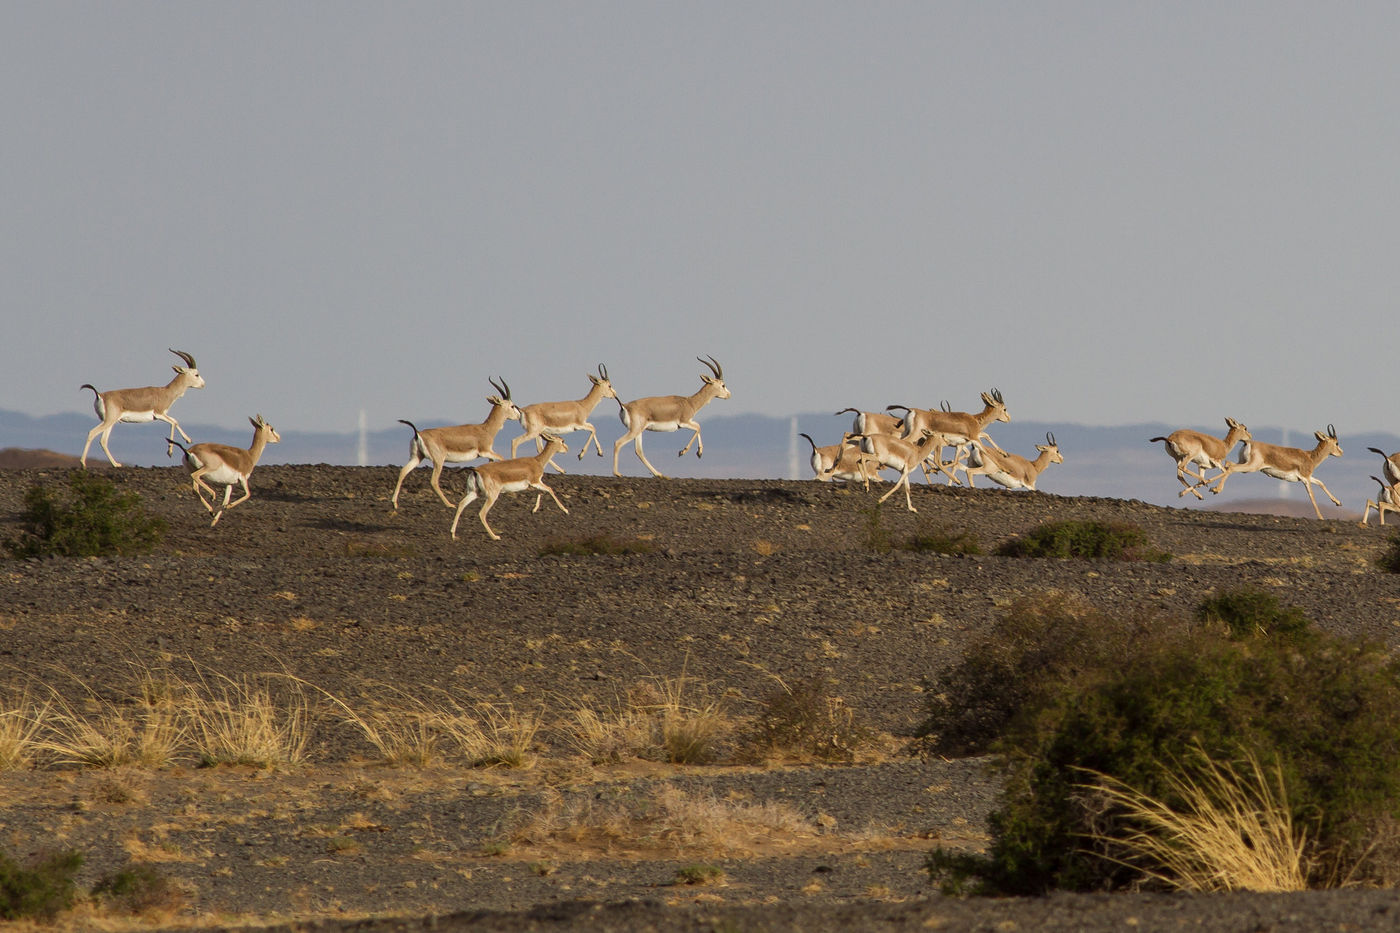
<point>21,719</point>
<point>668,821</point>
<point>1232,832</point>
<point>669,719</point>
<point>414,730</point>
<point>245,721</point>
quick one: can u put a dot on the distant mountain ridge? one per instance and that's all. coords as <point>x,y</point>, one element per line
<point>1116,462</point>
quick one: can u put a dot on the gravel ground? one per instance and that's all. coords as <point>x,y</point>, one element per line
<point>745,584</point>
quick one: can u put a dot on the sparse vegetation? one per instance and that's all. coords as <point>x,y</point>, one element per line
<point>806,720</point>
<point>1323,712</point>
<point>1389,559</point>
<point>594,545</point>
<point>1086,540</point>
<point>139,889</point>
<point>92,518</point>
<point>41,889</point>
<point>1250,613</point>
<point>939,540</point>
<point>699,874</point>
<point>671,719</point>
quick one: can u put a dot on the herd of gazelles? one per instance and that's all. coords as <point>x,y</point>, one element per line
<point>877,441</point>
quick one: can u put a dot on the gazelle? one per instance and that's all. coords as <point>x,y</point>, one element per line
<point>1290,464</point>
<point>844,461</point>
<point>874,422</point>
<point>1391,468</point>
<point>958,428</point>
<point>1387,500</point>
<point>669,413</point>
<point>460,443</point>
<point>1011,470</point>
<point>151,403</point>
<point>489,480</point>
<point>562,417</point>
<point>1188,447</point>
<point>220,463</point>
<point>899,454</point>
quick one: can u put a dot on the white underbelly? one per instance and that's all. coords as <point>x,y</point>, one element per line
<point>515,485</point>
<point>137,416</point>
<point>664,426</point>
<point>1006,479</point>
<point>225,475</point>
<point>1291,476</point>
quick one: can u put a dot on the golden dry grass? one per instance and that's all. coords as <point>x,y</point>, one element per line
<point>1233,831</point>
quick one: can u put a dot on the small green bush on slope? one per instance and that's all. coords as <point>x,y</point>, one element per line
<point>1086,540</point>
<point>92,519</point>
<point>1324,710</point>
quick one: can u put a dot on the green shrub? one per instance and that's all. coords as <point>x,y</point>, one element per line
<point>1087,540</point>
<point>807,719</point>
<point>94,518</point>
<point>139,889</point>
<point>942,541</point>
<point>1389,560</point>
<point>1325,711</point>
<point>41,890</point>
<point>593,544</point>
<point>1249,613</point>
<point>1037,646</point>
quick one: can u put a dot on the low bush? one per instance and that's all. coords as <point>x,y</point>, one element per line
<point>1249,613</point>
<point>93,518</point>
<point>593,544</point>
<point>807,720</point>
<point>1040,644</point>
<point>1389,559</point>
<point>942,541</point>
<point>1322,713</point>
<point>41,889</point>
<point>1086,540</point>
<point>139,889</point>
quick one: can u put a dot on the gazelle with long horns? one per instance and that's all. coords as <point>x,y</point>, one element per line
<point>1011,470</point>
<point>1290,464</point>
<point>902,455</point>
<point>1189,448</point>
<point>460,443</point>
<point>1387,500</point>
<point>561,418</point>
<point>150,403</point>
<point>873,422</point>
<point>489,480</point>
<point>221,463</point>
<point>844,461</point>
<point>959,429</point>
<point>669,413</point>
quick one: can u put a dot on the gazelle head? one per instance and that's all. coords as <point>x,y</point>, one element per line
<point>553,444</point>
<point>503,399</point>
<point>717,380</point>
<point>994,401</point>
<point>265,431</point>
<point>1329,441</point>
<point>601,381</point>
<point>1239,430</point>
<point>1051,448</point>
<point>190,371</point>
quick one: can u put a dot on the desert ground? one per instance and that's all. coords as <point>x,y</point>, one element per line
<point>729,590</point>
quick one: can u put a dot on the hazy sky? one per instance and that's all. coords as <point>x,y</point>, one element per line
<point>1113,212</point>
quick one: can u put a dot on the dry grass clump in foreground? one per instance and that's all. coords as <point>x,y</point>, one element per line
<point>1227,832</point>
<point>673,719</point>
